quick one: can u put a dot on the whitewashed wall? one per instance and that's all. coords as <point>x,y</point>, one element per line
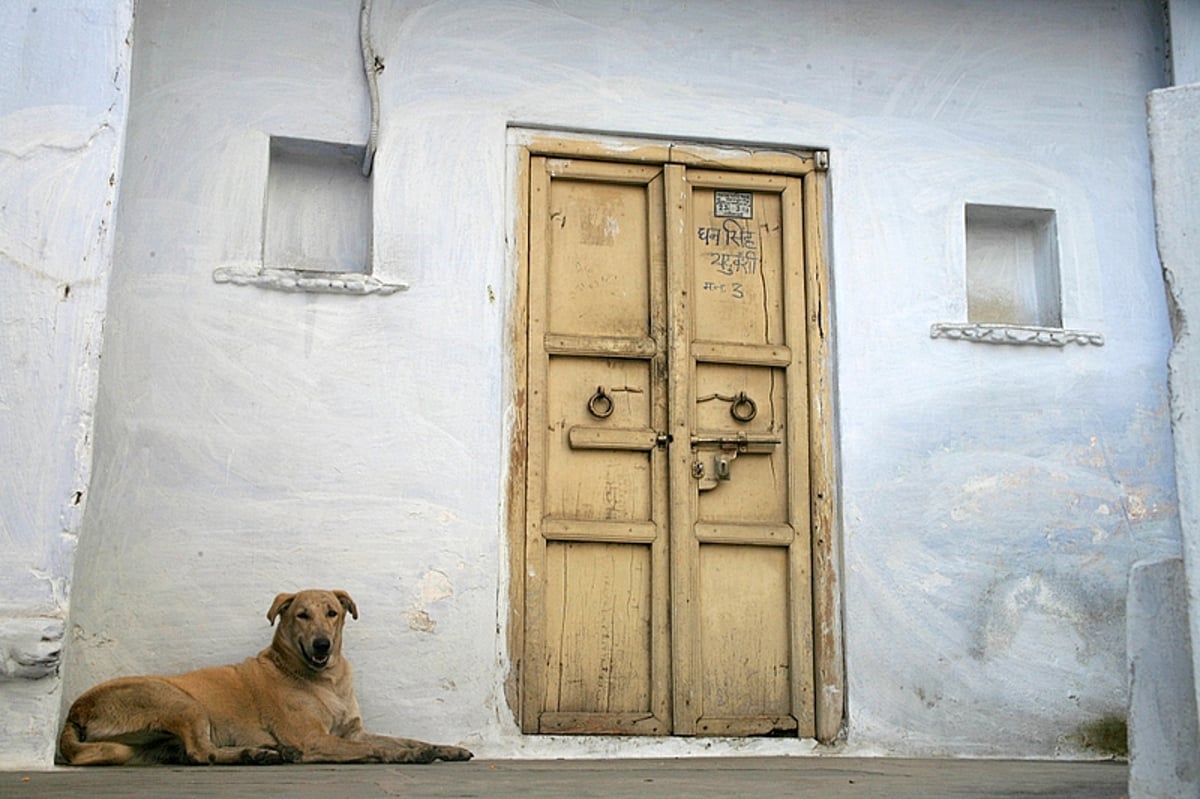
<point>993,497</point>
<point>65,71</point>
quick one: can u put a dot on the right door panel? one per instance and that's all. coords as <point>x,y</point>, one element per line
<point>741,548</point>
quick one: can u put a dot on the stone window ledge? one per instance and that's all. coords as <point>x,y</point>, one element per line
<point>1014,334</point>
<point>297,280</point>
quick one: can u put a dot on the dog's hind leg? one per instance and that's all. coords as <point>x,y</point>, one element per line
<point>191,725</point>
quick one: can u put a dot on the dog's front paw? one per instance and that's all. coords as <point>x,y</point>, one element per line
<point>290,754</point>
<point>268,755</point>
<point>272,755</point>
<point>452,753</point>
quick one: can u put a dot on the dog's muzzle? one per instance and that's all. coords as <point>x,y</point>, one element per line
<point>318,655</point>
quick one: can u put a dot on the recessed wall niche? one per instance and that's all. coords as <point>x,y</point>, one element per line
<point>316,223</point>
<point>1012,266</point>
<point>318,207</point>
<point>1013,280</point>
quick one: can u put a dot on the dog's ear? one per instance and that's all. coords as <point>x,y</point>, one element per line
<point>347,602</point>
<point>279,606</point>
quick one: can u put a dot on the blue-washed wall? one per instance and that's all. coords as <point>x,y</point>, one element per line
<point>992,496</point>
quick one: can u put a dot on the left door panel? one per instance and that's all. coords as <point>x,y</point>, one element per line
<point>597,637</point>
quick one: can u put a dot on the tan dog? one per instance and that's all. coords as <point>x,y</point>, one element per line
<point>294,702</point>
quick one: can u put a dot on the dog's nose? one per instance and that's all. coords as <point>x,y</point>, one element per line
<point>321,646</point>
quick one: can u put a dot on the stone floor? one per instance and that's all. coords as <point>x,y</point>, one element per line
<point>743,778</point>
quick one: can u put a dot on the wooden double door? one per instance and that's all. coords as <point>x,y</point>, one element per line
<point>667,566</point>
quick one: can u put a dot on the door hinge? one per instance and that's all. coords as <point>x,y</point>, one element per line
<point>821,160</point>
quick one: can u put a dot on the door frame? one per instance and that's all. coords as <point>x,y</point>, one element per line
<point>811,167</point>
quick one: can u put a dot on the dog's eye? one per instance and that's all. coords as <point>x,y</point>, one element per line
<point>331,613</point>
<point>303,615</point>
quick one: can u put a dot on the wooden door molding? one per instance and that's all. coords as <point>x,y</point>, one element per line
<point>799,179</point>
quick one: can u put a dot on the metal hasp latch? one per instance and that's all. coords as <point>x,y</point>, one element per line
<point>710,468</point>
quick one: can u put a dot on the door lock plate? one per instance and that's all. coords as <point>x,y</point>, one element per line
<point>714,469</point>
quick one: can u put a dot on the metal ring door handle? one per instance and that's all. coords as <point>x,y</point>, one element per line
<point>600,405</point>
<point>743,408</point>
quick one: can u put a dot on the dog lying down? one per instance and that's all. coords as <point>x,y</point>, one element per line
<point>292,703</point>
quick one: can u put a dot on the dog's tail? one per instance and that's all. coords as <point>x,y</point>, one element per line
<point>70,742</point>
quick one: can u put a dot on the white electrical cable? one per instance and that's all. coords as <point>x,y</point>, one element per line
<point>372,68</point>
